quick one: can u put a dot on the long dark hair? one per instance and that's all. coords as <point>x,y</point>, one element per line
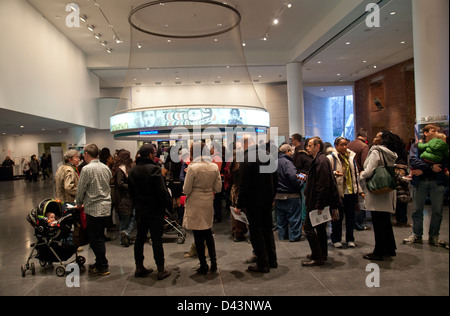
<point>123,158</point>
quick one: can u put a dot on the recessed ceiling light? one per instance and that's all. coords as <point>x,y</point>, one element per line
<point>21,126</point>
<point>364,61</point>
<point>402,42</point>
<point>243,44</point>
<point>347,43</point>
<point>319,62</point>
<point>393,13</point>
<point>91,28</point>
<point>275,21</point>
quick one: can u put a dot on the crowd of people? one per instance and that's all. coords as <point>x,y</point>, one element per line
<point>308,179</point>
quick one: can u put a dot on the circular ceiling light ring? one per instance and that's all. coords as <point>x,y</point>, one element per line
<point>236,21</point>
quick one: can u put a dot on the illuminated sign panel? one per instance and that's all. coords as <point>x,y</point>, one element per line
<point>189,117</point>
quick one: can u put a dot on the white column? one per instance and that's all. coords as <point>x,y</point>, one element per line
<point>431,62</point>
<point>295,99</point>
<point>77,137</point>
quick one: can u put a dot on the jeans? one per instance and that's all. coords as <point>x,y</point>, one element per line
<point>127,223</point>
<point>436,193</point>
<point>96,234</point>
<point>289,218</point>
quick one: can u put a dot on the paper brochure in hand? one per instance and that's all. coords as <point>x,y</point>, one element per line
<point>241,217</point>
<point>317,219</point>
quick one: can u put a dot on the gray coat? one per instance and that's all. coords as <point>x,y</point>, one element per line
<point>378,202</point>
<point>201,182</point>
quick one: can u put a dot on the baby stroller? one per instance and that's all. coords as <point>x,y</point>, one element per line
<point>52,238</point>
<point>172,226</point>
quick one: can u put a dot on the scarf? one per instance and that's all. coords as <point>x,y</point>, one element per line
<point>75,168</point>
<point>347,172</point>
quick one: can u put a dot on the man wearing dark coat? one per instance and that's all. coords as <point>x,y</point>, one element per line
<point>257,189</point>
<point>321,191</point>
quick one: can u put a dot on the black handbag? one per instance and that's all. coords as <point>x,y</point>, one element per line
<point>383,179</point>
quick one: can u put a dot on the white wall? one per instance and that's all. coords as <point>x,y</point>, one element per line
<point>27,145</point>
<point>41,72</point>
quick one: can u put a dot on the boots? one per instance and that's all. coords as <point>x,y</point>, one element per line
<point>163,272</point>
<point>141,271</point>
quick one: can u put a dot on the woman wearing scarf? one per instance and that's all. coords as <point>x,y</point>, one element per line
<point>346,173</point>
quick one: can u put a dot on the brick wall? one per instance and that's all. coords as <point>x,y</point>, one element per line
<point>395,88</point>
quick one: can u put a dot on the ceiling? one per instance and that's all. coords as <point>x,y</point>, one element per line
<point>329,37</point>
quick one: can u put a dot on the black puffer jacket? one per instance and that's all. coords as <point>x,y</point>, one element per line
<point>402,185</point>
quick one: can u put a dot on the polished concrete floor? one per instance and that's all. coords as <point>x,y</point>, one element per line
<point>418,269</point>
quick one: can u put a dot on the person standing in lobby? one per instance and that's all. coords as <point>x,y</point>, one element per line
<point>361,149</point>
<point>321,191</point>
<point>346,173</point>
<point>149,195</point>
<point>256,195</point>
<point>94,193</point>
<point>381,206</point>
<point>428,179</point>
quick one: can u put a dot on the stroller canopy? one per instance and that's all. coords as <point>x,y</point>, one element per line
<point>47,205</point>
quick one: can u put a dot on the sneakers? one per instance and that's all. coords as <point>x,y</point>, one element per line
<point>351,244</point>
<point>337,245</point>
<point>413,239</point>
<point>435,241</point>
<point>94,271</point>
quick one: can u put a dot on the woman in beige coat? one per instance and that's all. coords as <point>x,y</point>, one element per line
<point>201,182</point>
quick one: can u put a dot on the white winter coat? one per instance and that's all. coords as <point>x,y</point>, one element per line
<point>378,202</point>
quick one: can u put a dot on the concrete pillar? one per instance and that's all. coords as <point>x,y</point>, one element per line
<point>431,62</point>
<point>295,99</point>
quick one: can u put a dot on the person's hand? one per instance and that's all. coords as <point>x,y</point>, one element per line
<point>237,211</point>
<point>436,168</point>
<point>416,172</point>
<point>335,215</point>
<point>337,173</point>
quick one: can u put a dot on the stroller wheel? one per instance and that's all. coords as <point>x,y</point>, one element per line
<point>33,268</point>
<point>60,271</point>
<point>81,261</point>
<point>22,270</point>
<point>180,240</point>
<point>42,263</point>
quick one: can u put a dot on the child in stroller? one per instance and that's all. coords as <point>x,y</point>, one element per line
<point>52,224</point>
